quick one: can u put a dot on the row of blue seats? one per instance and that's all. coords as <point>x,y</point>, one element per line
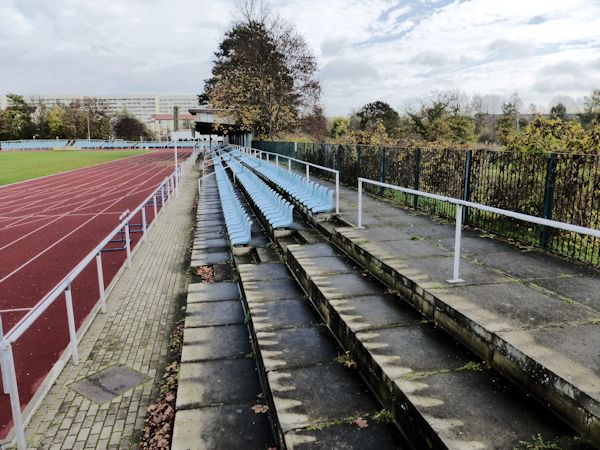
<point>275,209</point>
<point>32,144</point>
<point>237,221</point>
<point>315,197</point>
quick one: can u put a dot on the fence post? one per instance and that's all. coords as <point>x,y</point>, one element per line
<point>358,160</point>
<point>359,220</point>
<point>101,282</point>
<point>71,323</point>
<point>15,403</point>
<point>457,235</point>
<point>417,176</point>
<point>144,224</point>
<point>128,245</point>
<point>548,198</point>
<point>3,368</point>
<point>382,169</point>
<point>467,186</point>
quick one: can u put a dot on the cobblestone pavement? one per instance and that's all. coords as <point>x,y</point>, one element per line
<point>133,332</point>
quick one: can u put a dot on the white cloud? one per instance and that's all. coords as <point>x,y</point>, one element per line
<point>397,51</point>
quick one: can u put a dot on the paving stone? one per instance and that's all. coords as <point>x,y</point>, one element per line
<point>208,259</point>
<point>405,351</point>
<point>261,291</point>
<point>317,394</point>
<point>325,265</point>
<point>582,289</point>
<point>345,285</point>
<point>213,313</point>
<point>374,311</point>
<point>527,264</point>
<point>108,383</point>
<point>346,436</point>
<point>217,382</point>
<point>209,292</point>
<point>296,347</point>
<point>484,411</point>
<point>200,244</point>
<point>224,427</point>
<point>281,314</point>
<point>314,250</point>
<point>215,343</point>
<point>511,306</point>
<point>260,272</point>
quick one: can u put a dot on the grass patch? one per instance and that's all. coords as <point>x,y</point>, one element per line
<point>20,166</point>
<point>384,417</point>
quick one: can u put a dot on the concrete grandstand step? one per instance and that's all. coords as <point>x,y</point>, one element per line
<point>313,400</point>
<point>219,382</point>
<point>441,394</point>
<point>523,330</point>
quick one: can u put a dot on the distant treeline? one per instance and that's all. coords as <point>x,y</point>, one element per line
<point>79,119</point>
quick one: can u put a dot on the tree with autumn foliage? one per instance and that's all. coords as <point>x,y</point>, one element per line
<point>264,74</point>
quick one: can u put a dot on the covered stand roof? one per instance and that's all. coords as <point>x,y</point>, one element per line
<point>206,118</point>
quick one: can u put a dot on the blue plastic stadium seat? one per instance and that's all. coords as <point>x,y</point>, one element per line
<point>237,221</point>
<point>274,208</point>
<point>313,196</point>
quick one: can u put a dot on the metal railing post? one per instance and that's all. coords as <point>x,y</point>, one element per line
<point>101,282</point>
<point>144,225</point>
<point>277,160</point>
<point>548,198</point>
<point>467,185</point>
<point>360,203</point>
<point>358,160</point>
<point>154,205</point>
<point>417,176</point>
<point>128,245</point>
<point>3,367</point>
<point>289,164</point>
<point>307,172</point>
<point>162,196</point>
<point>72,329</point>
<point>382,170</point>
<point>457,235</point>
<point>176,180</point>
<point>337,192</point>
<point>13,388</point>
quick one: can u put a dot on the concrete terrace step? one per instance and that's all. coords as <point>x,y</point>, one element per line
<point>441,395</point>
<point>313,399</point>
<point>532,316</point>
<point>218,379</point>
<point>538,339</point>
<point>218,383</point>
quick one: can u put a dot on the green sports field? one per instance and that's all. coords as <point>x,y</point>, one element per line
<point>19,166</point>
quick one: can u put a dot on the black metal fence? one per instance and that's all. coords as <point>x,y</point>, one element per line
<point>563,187</point>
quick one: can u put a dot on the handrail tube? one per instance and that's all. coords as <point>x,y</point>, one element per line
<point>460,204</point>
<point>504,212</point>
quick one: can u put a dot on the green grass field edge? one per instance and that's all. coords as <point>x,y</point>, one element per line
<point>16,167</point>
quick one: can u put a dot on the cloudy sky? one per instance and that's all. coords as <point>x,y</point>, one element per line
<point>396,51</point>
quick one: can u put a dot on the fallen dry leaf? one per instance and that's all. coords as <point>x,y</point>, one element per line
<point>360,422</point>
<point>260,409</point>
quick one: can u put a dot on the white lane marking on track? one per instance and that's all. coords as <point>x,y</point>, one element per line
<point>53,221</point>
<point>55,243</point>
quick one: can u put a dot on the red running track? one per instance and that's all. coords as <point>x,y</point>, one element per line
<point>47,226</point>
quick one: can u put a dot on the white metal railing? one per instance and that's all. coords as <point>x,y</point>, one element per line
<point>460,204</point>
<point>258,154</point>
<point>168,187</point>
